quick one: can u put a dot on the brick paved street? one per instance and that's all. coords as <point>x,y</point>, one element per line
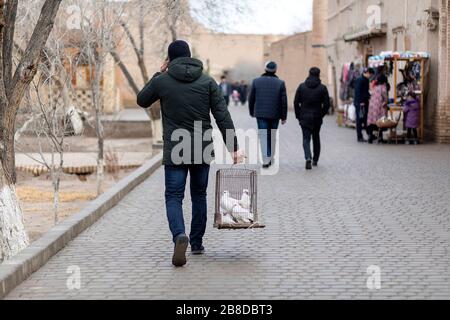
<point>366,205</point>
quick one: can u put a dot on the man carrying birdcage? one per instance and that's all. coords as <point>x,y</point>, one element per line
<point>188,96</point>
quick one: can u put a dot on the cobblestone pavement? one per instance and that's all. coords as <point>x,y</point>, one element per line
<point>387,206</point>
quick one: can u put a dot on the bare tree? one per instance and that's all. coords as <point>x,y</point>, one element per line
<point>49,94</point>
<point>139,11</point>
<point>149,17</point>
<point>166,19</point>
<point>99,22</point>
<point>13,85</point>
<point>219,15</point>
<point>174,12</point>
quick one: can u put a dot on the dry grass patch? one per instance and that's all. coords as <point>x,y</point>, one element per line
<point>30,194</point>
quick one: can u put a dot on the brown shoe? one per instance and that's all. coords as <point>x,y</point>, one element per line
<point>179,253</point>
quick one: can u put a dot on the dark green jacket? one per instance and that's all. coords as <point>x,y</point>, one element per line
<point>188,97</point>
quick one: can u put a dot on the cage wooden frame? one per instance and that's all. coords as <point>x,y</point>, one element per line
<point>221,176</point>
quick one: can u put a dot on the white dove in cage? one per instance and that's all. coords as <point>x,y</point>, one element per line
<point>228,219</point>
<point>227,203</point>
<point>245,201</point>
<point>241,215</point>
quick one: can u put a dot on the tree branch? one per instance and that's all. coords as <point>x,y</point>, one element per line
<point>139,52</point>
<point>125,72</point>
<point>23,75</point>
<point>3,97</point>
<point>27,67</point>
<point>8,43</point>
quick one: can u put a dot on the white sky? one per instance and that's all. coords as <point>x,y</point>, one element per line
<point>258,16</point>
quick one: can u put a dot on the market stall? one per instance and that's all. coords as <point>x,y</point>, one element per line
<point>412,66</point>
<point>346,110</point>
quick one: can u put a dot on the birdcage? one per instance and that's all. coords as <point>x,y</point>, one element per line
<point>236,200</point>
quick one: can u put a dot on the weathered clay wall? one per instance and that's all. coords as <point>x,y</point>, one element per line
<point>296,54</point>
<point>442,117</point>
<point>293,56</point>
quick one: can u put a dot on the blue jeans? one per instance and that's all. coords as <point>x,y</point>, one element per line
<point>175,177</point>
<point>266,138</point>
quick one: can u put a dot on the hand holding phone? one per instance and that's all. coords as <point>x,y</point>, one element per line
<point>165,65</point>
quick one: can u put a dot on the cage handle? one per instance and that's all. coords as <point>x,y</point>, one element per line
<point>237,164</point>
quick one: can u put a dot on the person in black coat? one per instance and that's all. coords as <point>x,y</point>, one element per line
<point>188,98</point>
<point>361,101</point>
<point>268,104</point>
<point>311,104</point>
<point>243,91</point>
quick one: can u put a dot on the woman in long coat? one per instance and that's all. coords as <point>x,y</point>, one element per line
<point>377,105</point>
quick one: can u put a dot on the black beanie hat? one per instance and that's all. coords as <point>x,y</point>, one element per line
<point>271,67</point>
<point>314,72</point>
<point>179,49</point>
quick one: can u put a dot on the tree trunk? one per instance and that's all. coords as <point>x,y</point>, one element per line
<point>56,199</point>
<point>13,237</point>
<point>56,181</point>
<point>125,71</point>
<point>98,106</point>
<point>56,172</point>
<point>152,114</point>
<point>100,161</point>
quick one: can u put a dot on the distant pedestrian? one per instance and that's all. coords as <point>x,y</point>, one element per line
<point>411,112</point>
<point>235,86</point>
<point>377,106</point>
<point>268,104</point>
<point>361,101</point>
<point>311,104</point>
<point>236,97</point>
<point>243,91</point>
<point>188,96</point>
<point>225,86</point>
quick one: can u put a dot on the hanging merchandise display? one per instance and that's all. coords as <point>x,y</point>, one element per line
<point>350,72</point>
<point>411,65</point>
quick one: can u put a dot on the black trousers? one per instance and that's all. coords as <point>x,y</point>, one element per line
<point>412,133</point>
<point>371,129</point>
<point>361,120</point>
<point>314,135</point>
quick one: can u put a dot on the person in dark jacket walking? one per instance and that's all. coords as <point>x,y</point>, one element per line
<point>268,104</point>
<point>243,92</point>
<point>187,98</point>
<point>311,104</point>
<point>361,101</point>
<point>226,88</point>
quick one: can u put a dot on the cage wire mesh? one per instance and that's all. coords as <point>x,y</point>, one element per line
<point>236,199</point>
